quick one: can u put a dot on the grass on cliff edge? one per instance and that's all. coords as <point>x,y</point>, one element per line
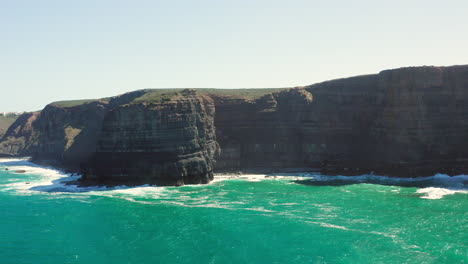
<point>163,95</point>
<point>243,93</point>
<point>72,103</point>
<point>157,96</point>
<point>151,96</point>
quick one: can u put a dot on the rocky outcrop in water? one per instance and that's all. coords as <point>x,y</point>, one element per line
<point>404,122</point>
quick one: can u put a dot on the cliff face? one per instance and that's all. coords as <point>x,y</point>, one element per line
<point>20,138</point>
<point>404,122</point>
<point>164,138</point>
<point>61,136</point>
<point>169,143</point>
<point>297,128</point>
<point>67,135</point>
<point>422,120</point>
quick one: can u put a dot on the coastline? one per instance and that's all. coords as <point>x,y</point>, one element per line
<point>56,180</point>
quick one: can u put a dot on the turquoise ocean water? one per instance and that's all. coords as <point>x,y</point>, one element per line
<point>296,218</point>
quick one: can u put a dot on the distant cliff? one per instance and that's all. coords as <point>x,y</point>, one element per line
<point>6,120</point>
<point>404,122</point>
<point>20,137</point>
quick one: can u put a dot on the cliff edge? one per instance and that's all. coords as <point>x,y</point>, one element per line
<point>405,122</point>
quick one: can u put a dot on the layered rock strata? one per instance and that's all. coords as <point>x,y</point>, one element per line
<point>404,122</point>
<point>170,143</point>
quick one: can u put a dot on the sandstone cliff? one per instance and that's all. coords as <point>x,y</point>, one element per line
<point>404,122</point>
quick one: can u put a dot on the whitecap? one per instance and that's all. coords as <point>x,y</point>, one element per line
<point>9,160</point>
<point>259,177</point>
<point>434,193</point>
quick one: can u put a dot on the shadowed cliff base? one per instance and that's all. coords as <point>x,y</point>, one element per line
<point>457,182</point>
<point>407,122</point>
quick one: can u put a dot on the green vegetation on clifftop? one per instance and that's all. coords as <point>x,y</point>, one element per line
<point>72,103</point>
<point>157,96</point>
<point>164,95</point>
<point>243,92</point>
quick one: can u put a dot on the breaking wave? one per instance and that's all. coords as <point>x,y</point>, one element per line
<point>49,180</point>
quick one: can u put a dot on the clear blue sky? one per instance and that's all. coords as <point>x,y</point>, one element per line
<point>64,49</point>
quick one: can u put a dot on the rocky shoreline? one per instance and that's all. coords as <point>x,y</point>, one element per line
<point>407,122</point>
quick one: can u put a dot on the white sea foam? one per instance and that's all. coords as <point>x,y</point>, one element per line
<point>246,177</point>
<point>434,187</point>
<point>54,181</point>
<point>9,160</point>
<point>438,193</point>
<point>48,179</point>
<point>259,177</point>
<point>443,179</point>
